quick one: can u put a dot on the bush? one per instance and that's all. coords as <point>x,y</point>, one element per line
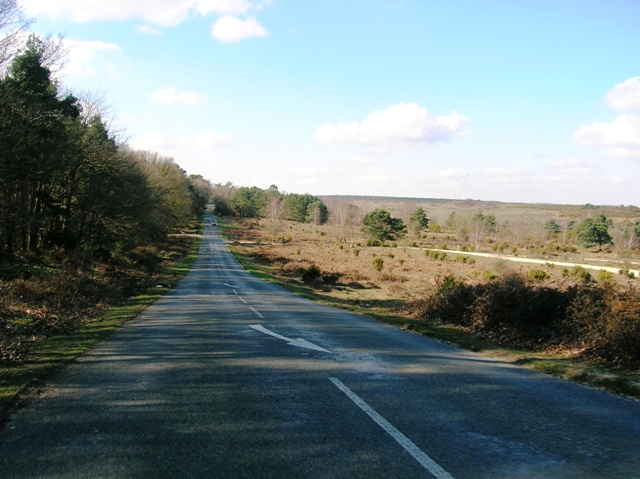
<point>489,276</point>
<point>537,275</point>
<point>147,257</point>
<point>330,278</point>
<point>378,264</point>
<point>605,276</point>
<point>581,274</point>
<point>605,323</point>
<point>311,274</point>
<point>449,303</point>
<point>600,320</point>
<point>512,310</point>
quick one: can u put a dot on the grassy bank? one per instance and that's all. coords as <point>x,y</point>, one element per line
<point>22,379</point>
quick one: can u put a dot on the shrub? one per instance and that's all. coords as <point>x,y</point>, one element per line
<point>625,272</point>
<point>605,323</point>
<point>330,278</point>
<point>378,264</point>
<point>449,303</point>
<point>581,274</point>
<point>537,275</point>
<point>605,276</point>
<point>510,309</point>
<point>489,276</point>
<point>311,274</point>
<point>147,257</point>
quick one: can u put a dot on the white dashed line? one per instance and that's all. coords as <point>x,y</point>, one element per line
<point>426,462</point>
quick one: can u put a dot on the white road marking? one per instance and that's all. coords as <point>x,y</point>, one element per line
<point>262,329</point>
<point>256,311</point>
<point>299,343</point>
<point>424,460</point>
<point>230,286</point>
<point>241,298</point>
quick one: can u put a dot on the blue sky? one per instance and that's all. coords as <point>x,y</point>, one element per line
<point>527,101</point>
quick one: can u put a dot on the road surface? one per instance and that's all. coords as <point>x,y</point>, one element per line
<point>231,377</point>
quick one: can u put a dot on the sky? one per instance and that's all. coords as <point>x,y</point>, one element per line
<point>496,100</point>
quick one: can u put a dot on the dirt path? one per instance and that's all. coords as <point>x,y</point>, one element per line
<point>519,259</point>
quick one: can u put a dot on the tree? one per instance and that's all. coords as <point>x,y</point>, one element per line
<point>221,198</point>
<point>248,202</point>
<point>13,23</point>
<point>418,220</point>
<point>274,212</point>
<point>566,228</point>
<point>201,193</point>
<point>594,230</point>
<point>379,225</point>
<point>630,234</point>
<point>343,215</point>
<point>36,144</point>
<point>482,224</point>
<point>306,208</point>
<point>552,227</point>
<point>317,212</point>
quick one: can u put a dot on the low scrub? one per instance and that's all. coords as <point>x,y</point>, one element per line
<point>55,293</point>
<point>602,321</point>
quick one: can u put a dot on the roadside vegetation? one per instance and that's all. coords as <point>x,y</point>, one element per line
<point>91,231</point>
<point>416,264</point>
<point>55,309</point>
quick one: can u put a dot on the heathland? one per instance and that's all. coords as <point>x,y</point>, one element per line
<point>513,280</point>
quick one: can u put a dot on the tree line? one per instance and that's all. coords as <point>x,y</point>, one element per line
<point>271,204</point>
<point>65,180</point>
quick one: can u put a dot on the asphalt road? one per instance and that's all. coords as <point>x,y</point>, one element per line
<point>231,377</point>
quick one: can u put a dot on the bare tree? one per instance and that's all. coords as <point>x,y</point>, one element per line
<point>343,215</point>
<point>13,25</point>
<point>274,213</point>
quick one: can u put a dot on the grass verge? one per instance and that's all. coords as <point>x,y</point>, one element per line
<point>18,383</point>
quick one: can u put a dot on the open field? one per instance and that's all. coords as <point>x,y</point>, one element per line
<point>389,282</point>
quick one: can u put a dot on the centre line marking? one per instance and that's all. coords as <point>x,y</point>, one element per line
<point>424,460</point>
<point>256,311</point>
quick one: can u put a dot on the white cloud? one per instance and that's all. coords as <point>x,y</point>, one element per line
<point>375,179</point>
<point>229,7</point>
<point>576,166</point>
<point>181,147</point>
<point>148,30</point>
<point>358,160</point>
<point>163,13</point>
<point>170,96</point>
<point>113,71</point>
<point>620,138</point>
<point>625,96</point>
<point>401,123</point>
<point>83,55</point>
<point>232,29</point>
